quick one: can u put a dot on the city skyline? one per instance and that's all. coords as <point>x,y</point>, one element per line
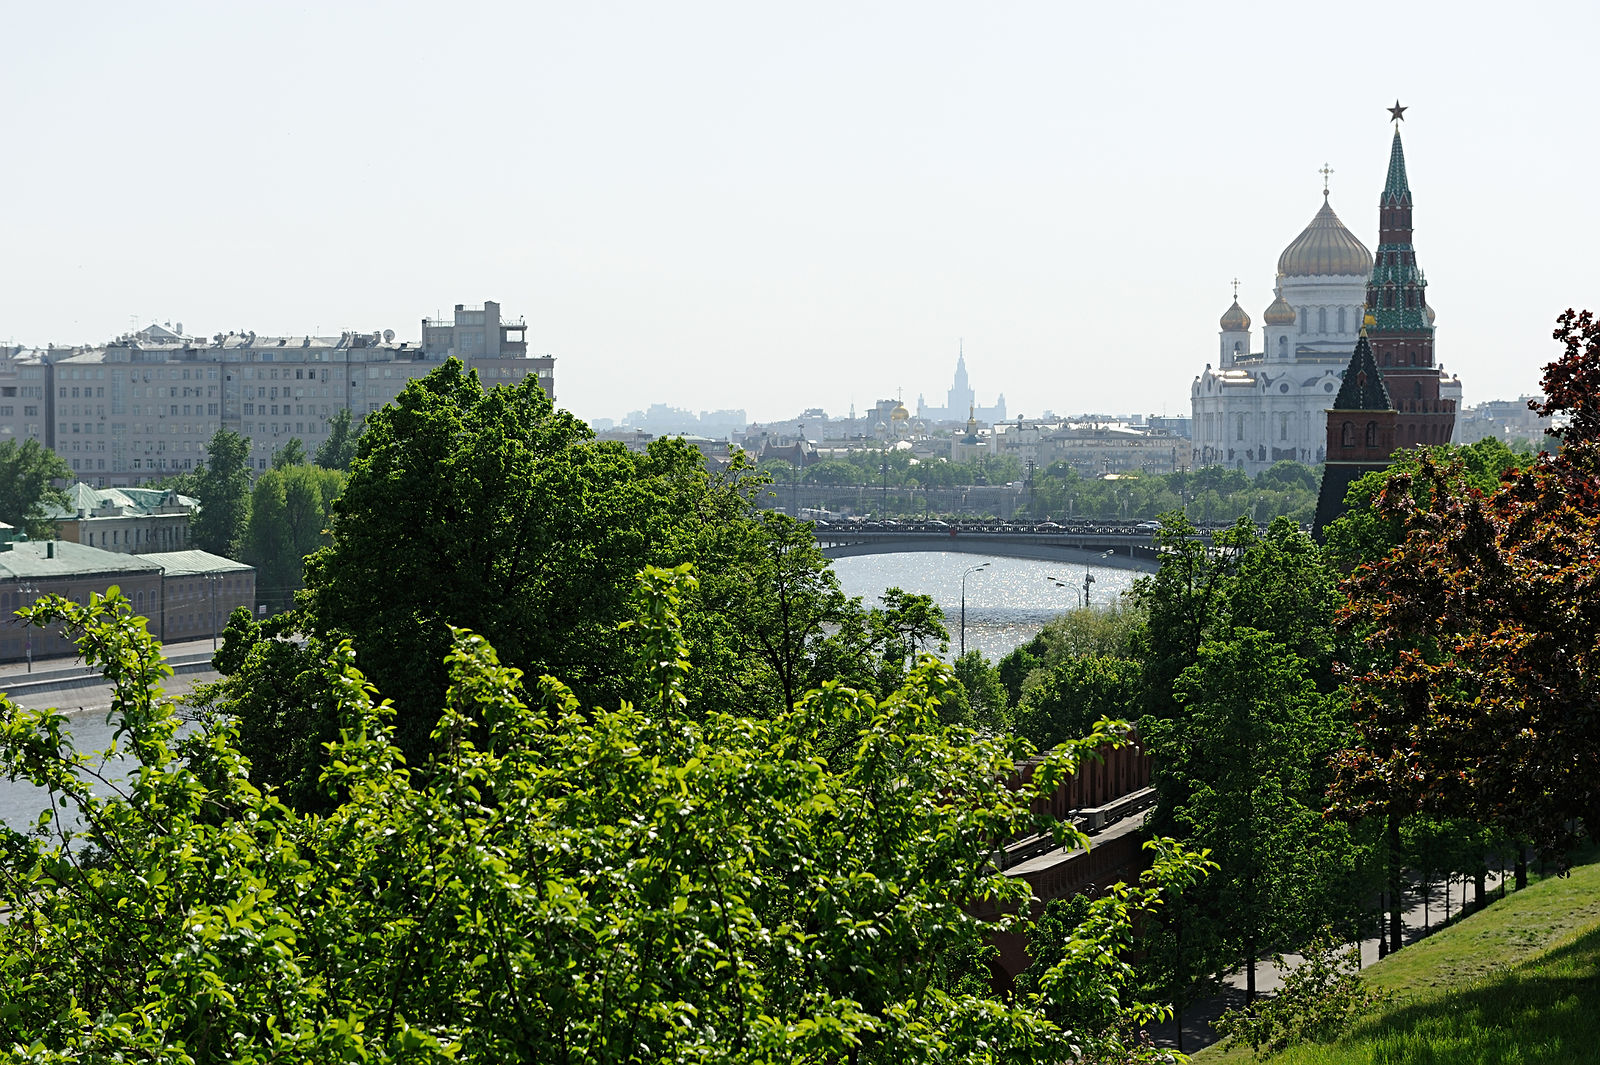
<point>717,206</point>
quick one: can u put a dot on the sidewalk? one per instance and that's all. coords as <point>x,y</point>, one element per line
<point>42,665</point>
<point>1198,1015</point>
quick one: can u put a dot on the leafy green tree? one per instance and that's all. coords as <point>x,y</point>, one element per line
<point>1243,761</point>
<point>1078,691</point>
<point>292,453</point>
<point>28,471</point>
<point>985,692</point>
<point>290,510</point>
<point>637,883</point>
<point>338,450</point>
<point>223,488</point>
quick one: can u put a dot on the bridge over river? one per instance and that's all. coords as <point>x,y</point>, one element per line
<point>1121,545</point>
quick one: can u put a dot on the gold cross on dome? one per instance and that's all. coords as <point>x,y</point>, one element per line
<point>1236,290</point>
<point>1325,171</point>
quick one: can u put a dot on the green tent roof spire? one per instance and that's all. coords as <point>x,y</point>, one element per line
<point>1396,190</point>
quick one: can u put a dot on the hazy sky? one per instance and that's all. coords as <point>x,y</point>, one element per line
<point>784,206</point>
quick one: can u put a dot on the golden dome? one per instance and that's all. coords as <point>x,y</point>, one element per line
<point>899,414</point>
<point>1235,320</point>
<point>1280,313</point>
<point>1431,316</point>
<point>1325,248</point>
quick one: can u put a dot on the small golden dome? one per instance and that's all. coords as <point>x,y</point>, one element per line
<point>1431,315</point>
<point>899,414</point>
<point>1280,313</point>
<point>1325,248</point>
<point>1235,320</point>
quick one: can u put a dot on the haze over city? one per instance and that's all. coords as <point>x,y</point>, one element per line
<point>722,206</point>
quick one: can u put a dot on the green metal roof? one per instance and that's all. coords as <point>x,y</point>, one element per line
<point>1396,190</point>
<point>83,499</point>
<point>1363,387</point>
<point>194,563</point>
<point>32,559</point>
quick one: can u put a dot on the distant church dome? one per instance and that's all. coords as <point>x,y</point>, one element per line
<point>1235,320</point>
<point>1280,313</point>
<point>899,414</point>
<point>1431,316</point>
<point>1325,248</point>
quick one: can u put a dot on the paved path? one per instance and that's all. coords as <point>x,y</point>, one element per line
<point>1417,922</point>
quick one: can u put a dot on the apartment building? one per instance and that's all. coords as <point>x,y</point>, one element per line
<point>145,405</point>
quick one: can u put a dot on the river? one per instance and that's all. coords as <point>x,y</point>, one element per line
<point>1007,603</point>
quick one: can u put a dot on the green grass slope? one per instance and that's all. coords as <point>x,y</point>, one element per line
<point>1518,982</point>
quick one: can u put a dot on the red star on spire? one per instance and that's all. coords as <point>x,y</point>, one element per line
<point>1397,112</point>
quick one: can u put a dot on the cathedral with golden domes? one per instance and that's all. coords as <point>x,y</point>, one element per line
<point>1257,405</point>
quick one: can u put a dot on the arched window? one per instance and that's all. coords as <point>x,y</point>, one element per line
<point>1283,347</point>
<point>1300,320</point>
<point>1348,436</point>
<point>1322,319</point>
<point>1372,434</point>
<point>1417,389</point>
<point>1341,319</point>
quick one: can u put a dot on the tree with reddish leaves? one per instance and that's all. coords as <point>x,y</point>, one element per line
<point>1475,669</point>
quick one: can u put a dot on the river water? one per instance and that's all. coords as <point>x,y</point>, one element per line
<point>1008,601</point>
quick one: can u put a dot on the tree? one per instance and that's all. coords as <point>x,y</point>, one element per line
<point>292,453</point>
<point>1473,674</point>
<point>223,488</point>
<point>1244,762</point>
<point>290,509</point>
<point>338,450</point>
<point>27,491</point>
<point>634,883</point>
<point>1079,690</point>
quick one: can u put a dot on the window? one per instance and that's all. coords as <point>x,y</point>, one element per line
<point>1372,434</point>
<point>1347,435</point>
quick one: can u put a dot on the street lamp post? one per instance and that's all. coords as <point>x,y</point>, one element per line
<point>964,577</point>
<point>1088,575</point>
<point>1069,587</point>
<point>212,579</point>
<point>30,591</point>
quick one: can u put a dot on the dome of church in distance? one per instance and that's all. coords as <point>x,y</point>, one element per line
<point>1235,320</point>
<point>1279,313</point>
<point>1325,248</point>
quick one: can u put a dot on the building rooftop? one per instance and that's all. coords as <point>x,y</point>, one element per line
<point>57,559</point>
<point>194,563</point>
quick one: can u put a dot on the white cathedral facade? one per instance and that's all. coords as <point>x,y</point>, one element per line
<point>1257,406</point>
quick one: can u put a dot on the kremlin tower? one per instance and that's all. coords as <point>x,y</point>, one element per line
<point>1390,397</point>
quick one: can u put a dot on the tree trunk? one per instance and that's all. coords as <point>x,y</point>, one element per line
<point>1396,893</point>
<point>1522,868</point>
<point>1478,885</point>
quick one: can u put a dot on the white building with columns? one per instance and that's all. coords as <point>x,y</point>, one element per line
<point>1257,406</point>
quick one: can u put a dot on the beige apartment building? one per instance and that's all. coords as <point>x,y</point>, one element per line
<point>145,406</point>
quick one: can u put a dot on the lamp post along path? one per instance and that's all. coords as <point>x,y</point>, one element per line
<point>964,577</point>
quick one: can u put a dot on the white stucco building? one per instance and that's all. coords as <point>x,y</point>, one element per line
<point>1258,405</point>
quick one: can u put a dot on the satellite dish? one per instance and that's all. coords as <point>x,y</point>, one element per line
<point>388,336</point>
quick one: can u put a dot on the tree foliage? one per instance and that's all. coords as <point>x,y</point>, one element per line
<point>639,882</point>
<point>1243,767</point>
<point>338,450</point>
<point>223,488</point>
<point>290,510</point>
<point>28,472</point>
<point>1475,679</point>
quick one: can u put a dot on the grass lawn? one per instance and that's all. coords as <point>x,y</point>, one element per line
<point>1518,982</point>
